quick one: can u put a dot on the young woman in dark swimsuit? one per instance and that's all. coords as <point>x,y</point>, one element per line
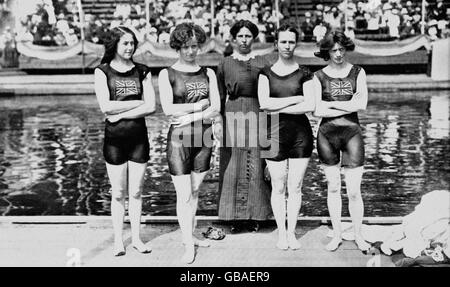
<point>125,94</point>
<point>286,91</point>
<point>189,94</point>
<point>341,91</point>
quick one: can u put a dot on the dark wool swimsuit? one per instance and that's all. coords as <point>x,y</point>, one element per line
<point>127,139</point>
<point>186,150</point>
<point>341,133</point>
<point>292,136</point>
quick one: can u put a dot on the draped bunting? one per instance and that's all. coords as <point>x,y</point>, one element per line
<point>304,50</point>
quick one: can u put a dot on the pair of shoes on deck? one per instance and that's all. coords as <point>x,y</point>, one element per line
<point>214,233</point>
<point>250,226</point>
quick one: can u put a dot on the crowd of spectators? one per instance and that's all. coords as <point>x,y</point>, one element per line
<point>57,23</point>
<point>376,19</point>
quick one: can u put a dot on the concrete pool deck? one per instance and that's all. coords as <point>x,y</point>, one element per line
<point>61,240</point>
<point>23,84</point>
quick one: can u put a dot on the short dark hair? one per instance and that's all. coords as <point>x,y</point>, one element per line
<point>287,27</point>
<point>184,32</point>
<point>111,40</point>
<point>327,43</point>
<point>241,24</point>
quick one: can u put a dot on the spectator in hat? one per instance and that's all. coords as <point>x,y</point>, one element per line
<point>62,25</point>
<point>335,18</point>
<point>307,28</point>
<point>432,29</point>
<point>164,37</point>
<point>244,13</point>
<point>393,22</point>
<point>349,29</point>
<point>152,35</point>
<point>417,18</point>
<point>373,24</point>
<point>409,7</point>
<point>318,18</point>
<point>440,14</point>
<point>320,31</point>
<point>262,33</point>
<point>59,38</point>
<point>407,29</point>
<point>71,37</point>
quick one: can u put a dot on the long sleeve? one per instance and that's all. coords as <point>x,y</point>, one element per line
<point>221,86</point>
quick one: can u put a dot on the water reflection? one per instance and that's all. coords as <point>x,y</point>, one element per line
<point>51,161</point>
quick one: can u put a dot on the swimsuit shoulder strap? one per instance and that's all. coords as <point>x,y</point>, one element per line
<point>105,68</point>
<point>354,71</point>
<point>321,75</point>
<point>171,73</point>
<point>306,74</point>
<point>143,70</point>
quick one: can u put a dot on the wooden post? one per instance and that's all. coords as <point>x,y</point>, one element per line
<point>345,14</point>
<point>422,26</point>
<point>277,11</point>
<point>81,13</point>
<point>212,18</point>
<point>297,21</point>
<point>147,11</point>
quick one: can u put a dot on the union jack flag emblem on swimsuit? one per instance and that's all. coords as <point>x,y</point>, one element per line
<point>126,87</point>
<point>341,88</point>
<point>196,90</point>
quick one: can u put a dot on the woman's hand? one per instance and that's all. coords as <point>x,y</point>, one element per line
<point>356,96</point>
<point>113,118</point>
<point>183,120</point>
<point>218,128</point>
<point>204,103</point>
<point>300,98</point>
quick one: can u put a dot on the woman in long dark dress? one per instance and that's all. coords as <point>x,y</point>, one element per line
<point>244,195</point>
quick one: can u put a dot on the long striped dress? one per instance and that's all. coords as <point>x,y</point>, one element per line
<point>243,193</point>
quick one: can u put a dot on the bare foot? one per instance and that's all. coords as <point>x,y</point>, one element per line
<point>292,241</point>
<point>201,243</point>
<point>361,243</point>
<point>141,247</point>
<point>385,249</point>
<point>334,244</point>
<point>282,242</point>
<point>189,254</point>
<point>119,249</point>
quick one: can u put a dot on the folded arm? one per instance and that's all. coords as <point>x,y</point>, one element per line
<point>321,108</point>
<point>166,98</point>
<point>107,106</point>
<point>210,113</point>
<point>273,104</point>
<point>307,105</point>
<point>359,99</point>
<point>148,107</point>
